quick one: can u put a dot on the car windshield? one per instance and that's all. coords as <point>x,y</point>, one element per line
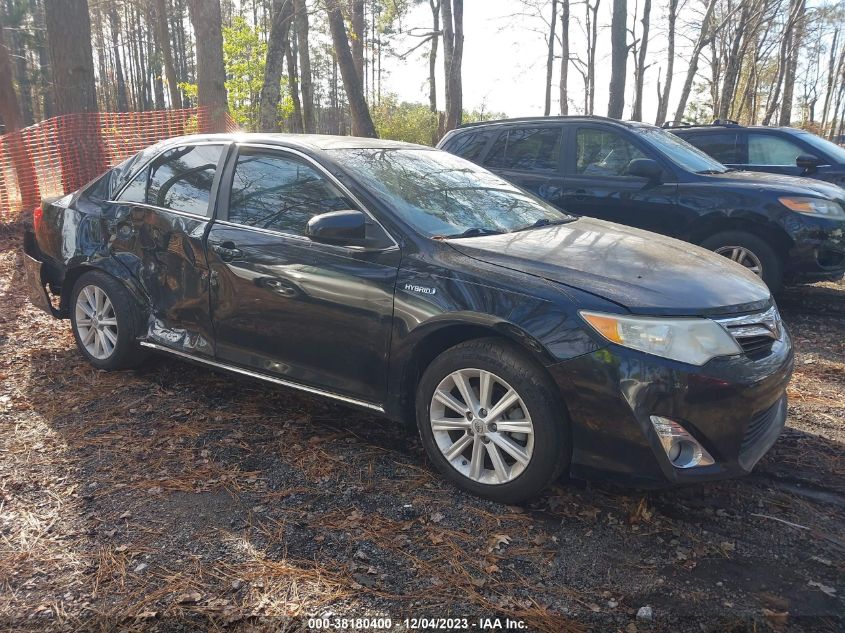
<point>832,150</point>
<point>680,152</point>
<point>442,195</point>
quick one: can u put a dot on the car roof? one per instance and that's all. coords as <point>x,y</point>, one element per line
<point>303,141</point>
<point>723,125</point>
<point>555,119</point>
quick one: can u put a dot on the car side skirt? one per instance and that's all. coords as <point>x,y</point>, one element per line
<point>252,374</point>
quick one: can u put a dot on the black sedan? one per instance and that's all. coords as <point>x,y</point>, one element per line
<point>523,342</point>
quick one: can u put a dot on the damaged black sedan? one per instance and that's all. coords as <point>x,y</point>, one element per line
<point>523,342</point>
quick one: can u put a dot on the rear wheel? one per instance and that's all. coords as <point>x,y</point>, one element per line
<point>103,322</point>
<point>491,422</point>
<point>750,251</point>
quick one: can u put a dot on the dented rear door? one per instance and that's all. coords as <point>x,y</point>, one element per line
<point>159,222</point>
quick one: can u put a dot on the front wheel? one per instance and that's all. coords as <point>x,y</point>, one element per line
<point>491,422</point>
<point>750,251</point>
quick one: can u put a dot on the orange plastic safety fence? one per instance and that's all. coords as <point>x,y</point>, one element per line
<point>61,154</point>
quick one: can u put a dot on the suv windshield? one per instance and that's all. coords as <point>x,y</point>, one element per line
<point>442,195</point>
<point>831,149</point>
<point>680,152</point>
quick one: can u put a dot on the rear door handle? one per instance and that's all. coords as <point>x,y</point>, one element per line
<point>227,251</point>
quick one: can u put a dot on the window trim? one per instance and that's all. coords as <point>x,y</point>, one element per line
<point>561,129</point>
<point>212,194</point>
<point>225,193</point>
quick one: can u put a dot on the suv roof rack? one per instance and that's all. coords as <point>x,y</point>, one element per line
<point>668,125</point>
<point>529,119</point>
<point>725,122</point>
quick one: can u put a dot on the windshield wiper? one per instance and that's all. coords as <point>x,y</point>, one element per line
<point>707,172</point>
<point>542,222</point>
<point>474,231</point>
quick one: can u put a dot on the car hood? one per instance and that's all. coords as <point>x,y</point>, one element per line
<point>788,184</point>
<point>641,271</point>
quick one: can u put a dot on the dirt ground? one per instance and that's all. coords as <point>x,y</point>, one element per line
<point>173,498</point>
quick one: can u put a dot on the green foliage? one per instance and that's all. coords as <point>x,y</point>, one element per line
<point>414,122</point>
<point>244,54</point>
<point>409,122</point>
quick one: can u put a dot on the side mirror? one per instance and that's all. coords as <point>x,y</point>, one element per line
<point>645,168</point>
<point>807,162</point>
<point>345,228</point>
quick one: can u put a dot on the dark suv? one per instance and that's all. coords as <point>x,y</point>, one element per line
<point>777,150</point>
<point>643,176</point>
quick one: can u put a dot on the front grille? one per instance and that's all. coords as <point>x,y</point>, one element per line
<point>758,426</point>
<point>755,333</point>
<point>754,345</point>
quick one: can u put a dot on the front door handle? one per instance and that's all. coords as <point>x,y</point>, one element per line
<point>227,251</point>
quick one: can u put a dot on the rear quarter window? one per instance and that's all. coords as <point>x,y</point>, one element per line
<point>723,146</point>
<point>469,145</point>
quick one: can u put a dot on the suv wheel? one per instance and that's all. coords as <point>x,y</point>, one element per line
<point>490,422</point>
<point>103,322</point>
<point>750,251</point>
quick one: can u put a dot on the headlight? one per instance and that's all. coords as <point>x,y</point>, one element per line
<point>693,341</point>
<point>814,206</point>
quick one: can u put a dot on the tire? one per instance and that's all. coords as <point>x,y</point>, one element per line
<point>546,446</point>
<point>738,244</point>
<point>114,343</point>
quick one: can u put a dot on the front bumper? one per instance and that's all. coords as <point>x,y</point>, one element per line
<point>735,407</point>
<point>818,250</point>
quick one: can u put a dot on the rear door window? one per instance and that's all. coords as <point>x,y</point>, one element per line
<point>723,147</point>
<point>180,179</point>
<point>526,149</point>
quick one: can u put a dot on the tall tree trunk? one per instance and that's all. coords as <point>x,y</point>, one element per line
<point>831,75</point>
<point>167,55</point>
<point>293,82</point>
<point>154,55</point>
<point>358,25</point>
<point>796,38</point>
<point>703,39</point>
<point>639,78</point>
<point>618,59</point>
<point>362,123</point>
<point>593,21</point>
<point>663,96</point>
<point>45,92</point>
<point>12,118</point>
<point>452,13</point>
<point>268,111</point>
<point>432,70</point>
<point>69,39</point>
<point>17,45</point>
<point>564,57</point>
<point>550,61</point>
<point>211,73</point>
<point>734,62</point>
<point>308,116</point>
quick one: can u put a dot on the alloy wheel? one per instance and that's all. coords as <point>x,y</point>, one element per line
<point>742,255</point>
<point>96,322</point>
<point>482,426</point>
